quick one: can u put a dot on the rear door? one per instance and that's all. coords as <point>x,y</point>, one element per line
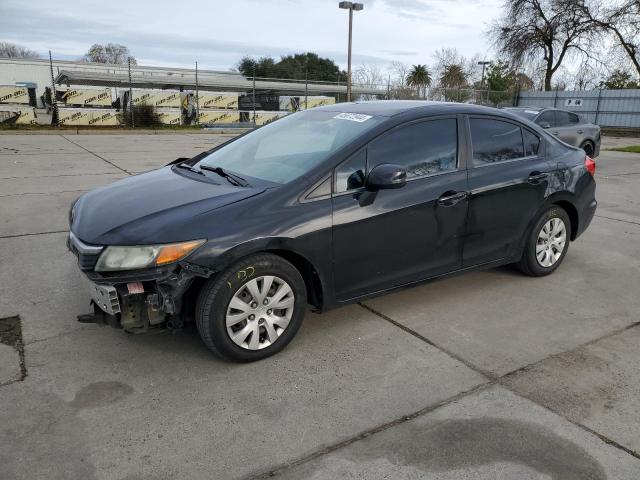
<point>508,177</point>
<point>567,128</point>
<point>389,238</point>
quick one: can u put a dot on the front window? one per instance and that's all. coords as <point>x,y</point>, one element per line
<point>290,147</point>
<point>424,148</point>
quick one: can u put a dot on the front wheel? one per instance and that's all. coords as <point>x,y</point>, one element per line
<point>547,243</point>
<point>253,309</point>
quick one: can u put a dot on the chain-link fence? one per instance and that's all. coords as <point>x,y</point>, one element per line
<point>77,94</point>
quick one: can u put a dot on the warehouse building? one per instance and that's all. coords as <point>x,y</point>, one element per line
<point>95,94</point>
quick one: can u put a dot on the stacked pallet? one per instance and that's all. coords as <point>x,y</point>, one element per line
<point>14,106</point>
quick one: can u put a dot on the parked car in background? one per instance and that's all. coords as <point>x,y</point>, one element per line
<point>327,207</point>
<point>567,126</point>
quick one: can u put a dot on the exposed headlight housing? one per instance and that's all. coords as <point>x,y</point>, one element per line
<point>72,211</point>
<point>116,258</point>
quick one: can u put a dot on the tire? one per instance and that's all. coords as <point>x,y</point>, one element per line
<point>537,246</point>
<point>268,330</point>
<point>588,147</point>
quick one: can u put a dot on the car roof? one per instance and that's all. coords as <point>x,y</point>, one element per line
<point>389,108</point>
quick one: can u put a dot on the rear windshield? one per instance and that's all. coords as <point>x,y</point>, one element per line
<point>290,147</point>
<point>528,113</point>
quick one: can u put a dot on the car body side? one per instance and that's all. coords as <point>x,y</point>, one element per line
<point>296,220</point>
<point>573,134</point>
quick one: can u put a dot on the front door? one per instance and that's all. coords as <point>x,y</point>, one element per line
<point>389,238</point>
<point>507,181</point>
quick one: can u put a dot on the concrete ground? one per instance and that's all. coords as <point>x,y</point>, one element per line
<point>490,375</point>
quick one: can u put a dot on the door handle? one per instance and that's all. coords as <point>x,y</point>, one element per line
<point>536,177</point>
<point>556,133</point>
<point>580,132</point>
<point>449,199</point>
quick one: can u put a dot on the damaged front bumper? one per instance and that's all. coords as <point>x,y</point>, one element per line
<point>139,300</point>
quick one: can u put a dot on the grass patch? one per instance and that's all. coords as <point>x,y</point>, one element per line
<point>629,149</point>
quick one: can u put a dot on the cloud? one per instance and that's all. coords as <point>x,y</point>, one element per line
<point>217,35</point>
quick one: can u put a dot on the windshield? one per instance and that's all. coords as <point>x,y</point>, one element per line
<point>528,113</point>
<point>288,148</point>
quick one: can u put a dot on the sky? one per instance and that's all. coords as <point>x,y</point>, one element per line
<point>217,34</point>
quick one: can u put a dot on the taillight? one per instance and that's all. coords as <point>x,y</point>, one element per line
<point>590,165</point>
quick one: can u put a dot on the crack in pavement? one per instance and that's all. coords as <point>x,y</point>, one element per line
<point>492,379</point>
<point>32,234</point>
<point>618,220</point>
<point>367,433</point>
<point>41,193</point>
<point>96,155</point>
<point>62,175</point>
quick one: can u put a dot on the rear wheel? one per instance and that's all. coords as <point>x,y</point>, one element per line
<point>588,148</point>
<point>253,309</point>
<point>547,243</point>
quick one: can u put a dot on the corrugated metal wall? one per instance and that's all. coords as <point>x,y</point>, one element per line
<point>607,108</point>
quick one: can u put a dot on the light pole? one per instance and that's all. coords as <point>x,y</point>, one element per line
<point>351,7</point>
<point>484,63</point>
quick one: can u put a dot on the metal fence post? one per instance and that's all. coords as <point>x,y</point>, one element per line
<point>197,98</point>
<point>555,99</point>
<point>54,102</point>
<point>598,106</point>
<point>254,94</point>
<point>389,88</point>
<point>133,124</point>
<point>306,86</point>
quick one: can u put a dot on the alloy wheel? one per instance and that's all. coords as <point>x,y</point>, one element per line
<point>551,241</point>
<point>259,312</point>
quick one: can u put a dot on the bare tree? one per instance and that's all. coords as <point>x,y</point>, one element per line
<point>586,77</point>
<point>542,29</point>
<point>400,71</point>
<point>368,76</point>
<point>112,53</point>
<point>12,50</point>
<point>621,19</point>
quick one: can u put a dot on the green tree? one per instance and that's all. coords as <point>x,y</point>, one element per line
<point>419,78</point>
<point>501,81</point>
<point>296,67</point>
<point>264,67</point>
<point>619,80</point>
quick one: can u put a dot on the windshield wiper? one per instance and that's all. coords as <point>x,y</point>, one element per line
<point>231,177</point>
<point>190,168</point>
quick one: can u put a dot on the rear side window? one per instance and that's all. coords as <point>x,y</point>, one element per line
<point>547,117</point>
<point>424,148</point>
<point>565,119</point>
<point>495,141</point>
<point>531,143</point>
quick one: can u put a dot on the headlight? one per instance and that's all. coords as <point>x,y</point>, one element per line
<point>72,211</point>
<point>131,258</point>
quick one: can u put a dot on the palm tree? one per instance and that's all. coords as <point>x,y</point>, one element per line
<point>454,80</point>
<point>453,76</point>
<point>419,77</point>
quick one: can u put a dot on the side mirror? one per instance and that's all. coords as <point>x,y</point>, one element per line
<point>386,176</point>
<point>545,124</point>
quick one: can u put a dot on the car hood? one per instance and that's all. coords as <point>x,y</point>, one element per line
<point>160,206</point>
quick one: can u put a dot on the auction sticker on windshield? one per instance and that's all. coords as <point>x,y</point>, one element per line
<point>354,117</point>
